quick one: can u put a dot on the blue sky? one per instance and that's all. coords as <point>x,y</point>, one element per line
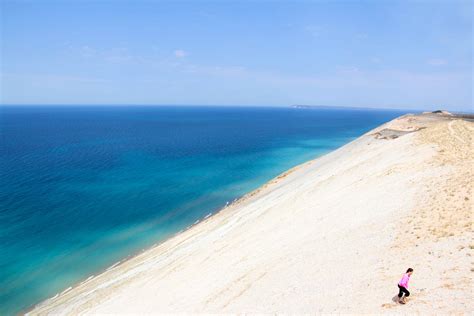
<point>402,54</point>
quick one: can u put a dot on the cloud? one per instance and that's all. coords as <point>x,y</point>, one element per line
<point>87,51</point>
<point>361,36</point>
<point>118,58</point>
<point>179,53</point>
<point>119,55</point>
<point>314,30</point>
<point>53,78</point>
<point>376,60</point>
<point>216,70</point>
<point>347,69</point>
<point>374,86</point>
<point>436,62</point>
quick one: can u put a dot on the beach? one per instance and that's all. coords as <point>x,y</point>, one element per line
<point>334,234</point>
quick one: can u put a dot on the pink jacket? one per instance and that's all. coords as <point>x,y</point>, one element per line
<point>404,281</point>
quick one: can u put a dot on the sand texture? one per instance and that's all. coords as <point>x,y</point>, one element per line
<point>332,235</point>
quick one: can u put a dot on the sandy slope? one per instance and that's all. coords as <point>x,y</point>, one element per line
<point>332,235</point>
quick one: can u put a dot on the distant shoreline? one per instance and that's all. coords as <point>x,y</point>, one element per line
<point>295,106</point>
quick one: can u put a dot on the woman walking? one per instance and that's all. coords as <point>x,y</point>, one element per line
<point>403,286</point>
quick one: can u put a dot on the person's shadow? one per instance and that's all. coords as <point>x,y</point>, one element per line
<point>395,298</point>
<point>390,305</point>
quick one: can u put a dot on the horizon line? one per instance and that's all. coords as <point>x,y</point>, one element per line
<point>296,105</point>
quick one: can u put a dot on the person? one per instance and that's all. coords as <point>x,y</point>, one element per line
<point>403,286</point>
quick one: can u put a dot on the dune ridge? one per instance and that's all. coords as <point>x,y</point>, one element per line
<point>331,235</point>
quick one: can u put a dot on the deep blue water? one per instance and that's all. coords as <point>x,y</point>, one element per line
<point>83,187</point>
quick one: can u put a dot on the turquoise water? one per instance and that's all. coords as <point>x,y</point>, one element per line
<point>84,187</point>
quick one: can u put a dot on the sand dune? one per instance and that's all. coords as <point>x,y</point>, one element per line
<point>331,235</point>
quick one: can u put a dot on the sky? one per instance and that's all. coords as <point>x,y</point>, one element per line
<point>380,54</point>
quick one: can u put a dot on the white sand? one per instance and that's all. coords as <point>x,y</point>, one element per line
<point>332,235</point>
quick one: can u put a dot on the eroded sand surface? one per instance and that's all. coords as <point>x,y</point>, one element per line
<point>331,235</point>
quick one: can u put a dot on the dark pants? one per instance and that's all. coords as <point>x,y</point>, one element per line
<point>403,290</point>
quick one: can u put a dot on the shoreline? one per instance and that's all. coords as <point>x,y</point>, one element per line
<point>234,203</point>
<point>136,267</point>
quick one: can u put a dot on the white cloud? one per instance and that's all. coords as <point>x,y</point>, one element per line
<point>118,58</point>
<point>347,69</point>
<point>87,51</point>
<point>361,36</point>
<point>117,55</point>
<point>216,70</point>
<point>376,60</point>
<point>179,53</point>
<point>436,62</point>
<point>314,30</point>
